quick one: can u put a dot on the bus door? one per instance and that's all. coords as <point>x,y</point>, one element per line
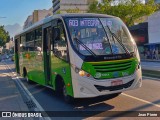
<point>47,54</point>
<point>16,55</point>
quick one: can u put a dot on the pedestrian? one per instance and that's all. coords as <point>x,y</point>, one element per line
<point>145,54</point>
<point>0,58</point>
<point>153,54</point>
<point>157,54</point>
<point>148,54</point>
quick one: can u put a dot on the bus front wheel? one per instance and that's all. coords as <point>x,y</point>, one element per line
<point>61,89</point>
<point>67,98</point>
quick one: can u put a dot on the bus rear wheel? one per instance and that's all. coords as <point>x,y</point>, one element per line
<point>25,75</point>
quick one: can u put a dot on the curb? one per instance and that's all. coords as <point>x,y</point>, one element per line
<point>151,73</point>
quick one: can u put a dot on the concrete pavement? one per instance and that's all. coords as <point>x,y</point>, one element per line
<point>10,97</point>
<point>14,96</point>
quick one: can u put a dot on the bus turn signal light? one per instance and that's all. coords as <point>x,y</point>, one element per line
<point>88,75</point>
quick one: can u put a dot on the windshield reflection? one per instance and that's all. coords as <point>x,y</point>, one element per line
<point>94,34</point>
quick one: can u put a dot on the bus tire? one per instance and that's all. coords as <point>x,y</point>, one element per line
<point>25,75</point>
<point>66,97</point>
<point>61,89</point>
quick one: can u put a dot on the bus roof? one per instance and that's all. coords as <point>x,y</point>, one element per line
<point>48,19</point>
<point>84,15</point>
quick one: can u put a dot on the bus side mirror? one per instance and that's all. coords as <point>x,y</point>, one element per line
<point>56,34</point>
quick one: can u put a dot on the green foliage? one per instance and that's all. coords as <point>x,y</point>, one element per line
<point>58,12</point>
<point>76,10</point>
<point>127,10</point>
<point>4,36</point>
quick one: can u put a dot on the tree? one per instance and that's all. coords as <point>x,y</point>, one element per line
<point>4,36</point>
<point>76,10</point>
<point>127,10</point>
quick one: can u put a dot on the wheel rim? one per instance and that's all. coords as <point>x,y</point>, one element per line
<point>27,79</point>
<point>64,91</point>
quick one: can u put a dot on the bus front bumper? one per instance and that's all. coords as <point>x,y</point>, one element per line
<point>86,88</point>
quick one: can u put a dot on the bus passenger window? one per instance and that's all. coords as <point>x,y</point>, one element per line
<point>60,42</point>
<point>38,40</point>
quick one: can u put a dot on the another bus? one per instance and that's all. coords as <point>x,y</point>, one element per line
<point>79,55</point>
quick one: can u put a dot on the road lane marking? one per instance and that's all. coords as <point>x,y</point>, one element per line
<point>5,74</point>
<point>39,107</point>
<point>8,97</point>
<point>145,101</point>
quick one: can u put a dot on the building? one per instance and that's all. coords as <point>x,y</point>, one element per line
<point>36,16</point>
<point>154,30</point>
<point>147,35</point>
<point>140,35</point>
<point>1,48</point>
<point>71,6</point>
<point>10,44</point>
<point>28,22</point>
<point>156,1</point>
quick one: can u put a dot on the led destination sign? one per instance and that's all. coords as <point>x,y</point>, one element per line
<point>94,46</point>
<point>85,22</point>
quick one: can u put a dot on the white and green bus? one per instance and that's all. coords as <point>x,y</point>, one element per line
<point>79,55</point>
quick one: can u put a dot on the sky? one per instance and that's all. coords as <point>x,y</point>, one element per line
<point>17,11</point>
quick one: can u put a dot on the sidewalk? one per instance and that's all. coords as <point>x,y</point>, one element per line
<point>10,97</point>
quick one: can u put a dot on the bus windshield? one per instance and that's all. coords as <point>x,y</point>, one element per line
<point>101,36</point>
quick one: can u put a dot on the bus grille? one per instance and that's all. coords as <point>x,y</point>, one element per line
<point>112,67</point>
<point>113,88</point>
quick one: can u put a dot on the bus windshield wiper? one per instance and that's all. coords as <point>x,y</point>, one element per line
<point>89,50</point>
<point>119,41</point>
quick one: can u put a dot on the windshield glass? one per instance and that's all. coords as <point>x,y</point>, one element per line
<point>100,36</point>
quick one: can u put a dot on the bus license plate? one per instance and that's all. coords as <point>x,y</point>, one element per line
<point>116,82</point>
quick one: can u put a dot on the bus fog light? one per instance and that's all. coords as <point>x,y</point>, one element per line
<point>82,89</point>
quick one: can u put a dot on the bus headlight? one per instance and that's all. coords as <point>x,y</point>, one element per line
<point>81,72</point>
<point>84,74</point>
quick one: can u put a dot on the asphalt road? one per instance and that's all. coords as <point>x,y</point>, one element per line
<point>146,98</point>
